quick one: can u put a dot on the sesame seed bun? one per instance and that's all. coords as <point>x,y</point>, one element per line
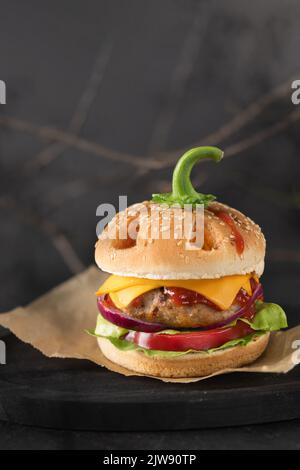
<point>190,365</point>
<point>171,259</point>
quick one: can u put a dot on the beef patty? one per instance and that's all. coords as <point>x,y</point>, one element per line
<point>156,306</point>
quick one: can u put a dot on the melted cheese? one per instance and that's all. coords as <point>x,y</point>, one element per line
<point>222,292</point>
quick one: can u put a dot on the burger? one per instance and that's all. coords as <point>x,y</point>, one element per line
<point>171,307</point>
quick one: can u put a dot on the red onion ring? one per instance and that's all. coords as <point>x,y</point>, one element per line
<point>258,292</point>
<point>118,318</point>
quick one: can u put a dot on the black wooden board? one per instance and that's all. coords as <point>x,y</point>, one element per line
<point>73,394</point>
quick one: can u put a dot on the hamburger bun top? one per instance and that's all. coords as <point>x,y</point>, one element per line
<point>149,258</point>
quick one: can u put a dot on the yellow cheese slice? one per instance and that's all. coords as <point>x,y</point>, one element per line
<point>222,292</point>
<point>114,283</point>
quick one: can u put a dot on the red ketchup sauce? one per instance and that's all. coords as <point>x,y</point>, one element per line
<point>181,296</point>
<point>109,301</point>
<point>228,220</point>
<point>242,298</point>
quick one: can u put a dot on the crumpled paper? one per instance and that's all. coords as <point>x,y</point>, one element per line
<point>55,324</point>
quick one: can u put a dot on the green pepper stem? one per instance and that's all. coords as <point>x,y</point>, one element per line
<point>183,191</point>
<point>181,183</point>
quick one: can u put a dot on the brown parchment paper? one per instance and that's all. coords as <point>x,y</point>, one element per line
<point>55,323</point>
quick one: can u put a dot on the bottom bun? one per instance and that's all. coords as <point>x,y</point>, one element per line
<point>189,365</point>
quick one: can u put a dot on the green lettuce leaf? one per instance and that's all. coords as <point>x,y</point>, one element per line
<point>108,329</point>
<point>269,317</point>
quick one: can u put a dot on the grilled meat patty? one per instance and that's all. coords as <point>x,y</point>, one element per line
<point>156,306</point>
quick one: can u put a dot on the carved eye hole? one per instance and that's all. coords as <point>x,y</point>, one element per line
<point>208,244</point>
<point>123,239</point>
<point>123,244</point>
<point>208,239</point>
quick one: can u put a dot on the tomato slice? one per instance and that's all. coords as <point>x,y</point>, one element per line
<point>197,340</point>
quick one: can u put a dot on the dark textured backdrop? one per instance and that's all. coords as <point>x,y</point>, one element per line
<point>103,96</point>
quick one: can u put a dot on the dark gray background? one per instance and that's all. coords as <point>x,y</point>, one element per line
<point>103,97</point>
